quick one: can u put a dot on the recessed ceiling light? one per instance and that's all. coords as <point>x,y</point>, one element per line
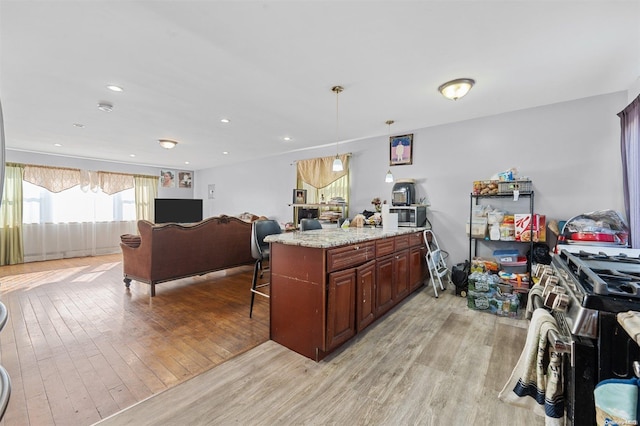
<point>57,144</point>
<point>132,155</point>
<point>186,162</point>
<point>287,138</point>
<point>105,106</point>
<point>115,88</point>
<point>225,120</point>
<point>225,152</point>
<point>78,125</point>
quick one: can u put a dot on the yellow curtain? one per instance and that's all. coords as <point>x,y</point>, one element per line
<point>146,189</point>
<point>318,172</point>
<point>11,243</point>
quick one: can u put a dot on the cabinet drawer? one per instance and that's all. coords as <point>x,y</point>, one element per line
<point>345,257</point>
<point>416,239</point>
<point>402,242</point>
<point>385,246</point>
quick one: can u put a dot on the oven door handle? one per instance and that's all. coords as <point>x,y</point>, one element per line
<point>557,341</point>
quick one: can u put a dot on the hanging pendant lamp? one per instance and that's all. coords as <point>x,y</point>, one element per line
<point>337,163</point>
<point>389,177</point>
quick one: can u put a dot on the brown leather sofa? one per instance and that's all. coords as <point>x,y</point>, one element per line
<point>171,251</point>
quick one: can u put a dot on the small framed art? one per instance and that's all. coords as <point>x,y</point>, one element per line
<point>299,196</point>
<point>400,150</point>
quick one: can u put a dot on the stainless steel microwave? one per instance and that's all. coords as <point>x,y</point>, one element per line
<point>413,216</point>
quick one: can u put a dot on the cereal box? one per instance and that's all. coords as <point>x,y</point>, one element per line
<point>523,226</point>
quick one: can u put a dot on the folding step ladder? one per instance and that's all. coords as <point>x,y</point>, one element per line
<point>435,260</point>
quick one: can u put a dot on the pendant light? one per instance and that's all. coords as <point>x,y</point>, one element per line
<point>455,89</point>
<point>337,163</point>
<point>389,177</point>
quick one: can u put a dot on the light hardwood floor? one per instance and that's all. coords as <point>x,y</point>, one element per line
<point>428,362</point>
<point>80,347</point>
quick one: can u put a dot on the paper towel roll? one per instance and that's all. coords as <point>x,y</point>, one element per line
<point>385,208</point>
<point>389,222</point>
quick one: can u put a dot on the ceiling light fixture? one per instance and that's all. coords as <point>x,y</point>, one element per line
<point>389,177</point>
<point>167,143</point>
<point>225,120</point>
<point>455,89</point>
<point>115,88</point>
<point>337,163</point>
<point>105,106</point>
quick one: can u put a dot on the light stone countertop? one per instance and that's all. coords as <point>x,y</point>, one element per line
<point>334,237</point>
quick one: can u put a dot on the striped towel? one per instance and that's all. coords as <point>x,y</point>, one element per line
<point>630,321</point>
<point>536,380</point>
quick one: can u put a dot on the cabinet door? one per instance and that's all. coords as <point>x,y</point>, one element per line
<point>400,285</point>
<point>384,280</point>
<point>365,296</point>
<point>341,315</point>
<point>417,267</point>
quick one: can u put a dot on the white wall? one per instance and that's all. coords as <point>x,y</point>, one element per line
<point>570,151</point>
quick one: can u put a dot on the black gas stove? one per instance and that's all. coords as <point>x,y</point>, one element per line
<point>596,284</point>
<point>604,282</point>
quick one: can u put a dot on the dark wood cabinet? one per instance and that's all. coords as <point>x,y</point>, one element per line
<point>400,284</point>
<point>417,267</point>
<point>322,297</point>
<point>341,307</point>
<point>384,284</point>
<point>365,295</point>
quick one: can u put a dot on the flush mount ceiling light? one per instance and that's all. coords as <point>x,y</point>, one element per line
<point>115,88</point>
<point>389,177</point>
<point>455,89</point>
<point>167,143</point>
<point>337,163</point>
<point>105,106</point>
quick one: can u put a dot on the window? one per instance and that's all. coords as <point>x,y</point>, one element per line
<point>74,205</point>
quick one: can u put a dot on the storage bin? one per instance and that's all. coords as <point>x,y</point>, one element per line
<point>506,255</point>
<point>507,187</point>
<point>478,227</point>
<point>519,266</point>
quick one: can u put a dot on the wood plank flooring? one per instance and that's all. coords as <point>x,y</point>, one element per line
<point>81,349</point>
<point>428,362</point>
<point>79,346</point>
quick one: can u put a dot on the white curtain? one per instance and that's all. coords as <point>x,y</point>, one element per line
<point>52,230</point>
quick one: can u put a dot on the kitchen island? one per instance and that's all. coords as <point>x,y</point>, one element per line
<point>328,285</point>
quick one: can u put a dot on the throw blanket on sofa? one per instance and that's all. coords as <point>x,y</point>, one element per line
<point>536,381</point>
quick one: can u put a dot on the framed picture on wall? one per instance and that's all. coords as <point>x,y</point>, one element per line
<point>167,178</point>
<point>401,150</point>
<point>184,179</point>
<point>299,196</point>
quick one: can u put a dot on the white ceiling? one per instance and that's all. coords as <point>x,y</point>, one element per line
<point>269,67</point>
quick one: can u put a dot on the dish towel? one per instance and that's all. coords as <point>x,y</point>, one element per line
<point>535,289</point>
<point>630,321</point>
<point>616,402</point>
<point>536,380</point>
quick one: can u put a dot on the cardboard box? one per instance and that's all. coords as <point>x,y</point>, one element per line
<point>523,226</point>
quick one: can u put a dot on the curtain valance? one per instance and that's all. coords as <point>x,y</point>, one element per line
<point>57,179</point>
<point>318,172</point>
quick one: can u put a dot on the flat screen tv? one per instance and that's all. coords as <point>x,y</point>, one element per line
<point>178,210</point>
